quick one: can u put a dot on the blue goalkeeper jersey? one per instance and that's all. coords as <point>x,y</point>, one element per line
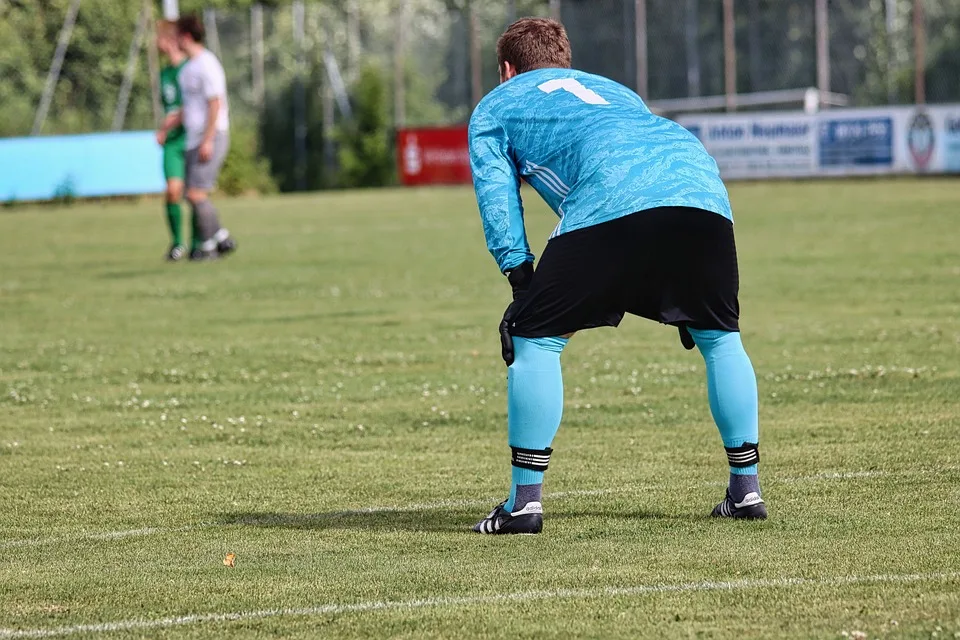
<point>590,148</point>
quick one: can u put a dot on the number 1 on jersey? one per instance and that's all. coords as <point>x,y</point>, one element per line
<point>572,85</point>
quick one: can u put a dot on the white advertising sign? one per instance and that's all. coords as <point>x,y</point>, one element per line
<point>767,145</point>
<point>837,142</point>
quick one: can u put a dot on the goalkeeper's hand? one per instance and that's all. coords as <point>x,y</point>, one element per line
<point>520,278</point>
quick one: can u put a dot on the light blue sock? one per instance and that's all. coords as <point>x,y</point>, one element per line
<point>534,409</point>
<point>732,390</point>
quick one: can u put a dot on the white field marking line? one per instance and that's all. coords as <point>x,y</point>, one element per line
<point>466,601</point>
<point>441,504</point>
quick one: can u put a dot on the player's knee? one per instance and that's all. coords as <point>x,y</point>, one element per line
<point>536,349</point>
<point>196,196</point>
<point>709,340</point>
<point>174,192</point>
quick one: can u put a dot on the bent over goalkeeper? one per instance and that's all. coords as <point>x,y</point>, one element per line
<point>645,227</point>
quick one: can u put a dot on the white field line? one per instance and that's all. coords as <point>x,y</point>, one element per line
<point>466,601</point>
<point>446,504</point>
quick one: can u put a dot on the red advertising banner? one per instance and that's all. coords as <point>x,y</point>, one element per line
<point>433,156</point>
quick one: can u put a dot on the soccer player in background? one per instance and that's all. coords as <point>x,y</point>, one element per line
<point>205,118</point>
<point>172,139</point>
<point>645,228</point>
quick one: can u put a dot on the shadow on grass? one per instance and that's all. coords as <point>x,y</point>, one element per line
<point>126,275</point>
<point>438,520</point>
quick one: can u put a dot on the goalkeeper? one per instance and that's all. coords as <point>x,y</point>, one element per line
<point>645,228</point>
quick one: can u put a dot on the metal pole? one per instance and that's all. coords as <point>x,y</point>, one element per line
<point>54,74</point>
<point>891,21</point>
<point>329,148</point>
<point>476,68</point>
<point>823,48</point>
<point>399,68</point>
<point>555,9</point>
<point>171,9</point>
<point>640,46</point>
<point>754,54</point>
<point>256,53</point>
<point>919,53</point>
<point>353,40</point>
<point>299,99</point>
<point>123,99</point>
<point>692,37</point>
<point>337,86</point>
<point>729,55</point>
<point>210,26</point>
<point>153,62</point>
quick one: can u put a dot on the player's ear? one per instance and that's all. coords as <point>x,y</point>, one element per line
<point>507,71</point>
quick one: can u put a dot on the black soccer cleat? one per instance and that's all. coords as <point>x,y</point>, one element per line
<point>528,520</point>
<point>176,253</point>
<point>199,255</point>
<point>750,508</point>
<point>227,245</point>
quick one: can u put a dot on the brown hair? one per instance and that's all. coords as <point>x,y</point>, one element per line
<point>166,28</point>
<point>534,43</point>
<point>191,26</point>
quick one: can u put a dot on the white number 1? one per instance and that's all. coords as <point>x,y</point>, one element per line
<point>571,85</point>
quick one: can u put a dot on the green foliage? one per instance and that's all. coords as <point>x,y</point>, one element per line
<point>90,79</point>
<point>245,170</point>
<point>65,193</point>
<point>366,153</point>
<point>277,137</point>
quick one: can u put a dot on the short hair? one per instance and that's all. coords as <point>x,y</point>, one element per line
<point>192,26</point>
<point>534,43</point>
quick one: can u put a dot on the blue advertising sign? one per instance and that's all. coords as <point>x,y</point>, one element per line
<point>856,142</point>
<point>951,142</point>
<point>90,165</point>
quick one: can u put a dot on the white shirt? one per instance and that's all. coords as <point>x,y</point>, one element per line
<point>201,80</point>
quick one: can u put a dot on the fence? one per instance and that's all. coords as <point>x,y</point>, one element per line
<point>294,69</point>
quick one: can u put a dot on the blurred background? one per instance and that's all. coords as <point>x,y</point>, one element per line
<point>318,88</point>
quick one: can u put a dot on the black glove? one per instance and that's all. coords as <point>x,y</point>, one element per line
<point>506,340</point>
<point>520,278</point>
<point>685,338</point>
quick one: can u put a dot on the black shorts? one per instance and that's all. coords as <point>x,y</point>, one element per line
<point>674,265</point>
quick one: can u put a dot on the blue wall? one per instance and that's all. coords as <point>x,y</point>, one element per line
<point>99,164</point>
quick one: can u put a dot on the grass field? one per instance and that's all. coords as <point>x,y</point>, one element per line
<point>329,406</point>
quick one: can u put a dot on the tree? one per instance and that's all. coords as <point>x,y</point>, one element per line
<point>366,158</point>
<point>86,94</point>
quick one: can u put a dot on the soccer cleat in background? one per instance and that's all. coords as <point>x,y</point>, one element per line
<point>528,520</point>
<point>198,255</point>
<point>226,246</point>
<point>176,253</point>
<point>225,243</point>
<point>750,508</point>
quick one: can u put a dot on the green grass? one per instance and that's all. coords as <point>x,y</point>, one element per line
<point>347,358</point>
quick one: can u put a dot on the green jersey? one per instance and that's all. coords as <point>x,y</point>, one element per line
<point>170,97</point>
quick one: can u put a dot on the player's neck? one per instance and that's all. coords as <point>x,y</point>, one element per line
<point>176,58</point>
<point>193,50</point>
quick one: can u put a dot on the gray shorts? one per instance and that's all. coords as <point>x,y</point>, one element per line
<point>203,175</point>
